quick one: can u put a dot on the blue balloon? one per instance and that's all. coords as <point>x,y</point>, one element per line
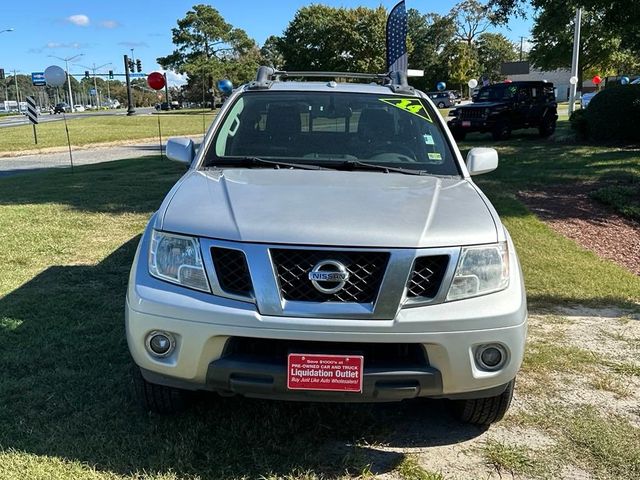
<point>441,86</point>
<point>225,86</point>
<point>624,80</point>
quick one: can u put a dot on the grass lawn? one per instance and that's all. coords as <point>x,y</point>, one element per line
<point>101,128</point>
<point>67,409</point>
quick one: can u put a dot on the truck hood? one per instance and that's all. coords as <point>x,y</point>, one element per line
<point>483,105</point>
<point>329,208</point>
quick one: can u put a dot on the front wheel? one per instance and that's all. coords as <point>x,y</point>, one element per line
<point>484,411</point>
<point>502,131</point>
<point>440,104</point>
<point>547,127</point>
<point>158,398</point>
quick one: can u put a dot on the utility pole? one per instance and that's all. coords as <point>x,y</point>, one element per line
<point>130,109</point>
<point>521,46</point>
<point>574,60</point>
<point>15,78</point>
<point>66,61</point>
<point>166,90</point>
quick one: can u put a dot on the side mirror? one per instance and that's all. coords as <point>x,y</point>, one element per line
<point>482,160</point>
<point>181,150</point>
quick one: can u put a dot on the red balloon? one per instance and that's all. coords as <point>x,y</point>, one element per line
<point>156,80</point>
<point>597,80</point>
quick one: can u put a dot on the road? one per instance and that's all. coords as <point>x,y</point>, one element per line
<point>30,163</point>
<point>16,120</point>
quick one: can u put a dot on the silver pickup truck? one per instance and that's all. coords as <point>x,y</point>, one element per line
<point>327,243</point>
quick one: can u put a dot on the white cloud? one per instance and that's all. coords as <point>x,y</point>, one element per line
<point>81,20</point>
<point>175,79</point>
<point>109,24</point>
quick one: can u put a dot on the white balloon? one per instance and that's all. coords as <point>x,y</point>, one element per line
<point>573,80</point>
<point>55,76</point>
<point>473,83</point>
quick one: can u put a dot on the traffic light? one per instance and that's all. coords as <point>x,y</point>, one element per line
<point>110,74</point>
<point>132,67</point>
<point>139,65</point>
<point>86,74</point>
<point>1,73</point>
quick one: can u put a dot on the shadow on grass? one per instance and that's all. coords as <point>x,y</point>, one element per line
<point>132,185</point>
<point>66,392</point>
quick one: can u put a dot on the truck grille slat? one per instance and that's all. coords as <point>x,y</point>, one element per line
<point>366,270</point>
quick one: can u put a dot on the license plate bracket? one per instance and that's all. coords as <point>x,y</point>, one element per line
<point>337,373</point>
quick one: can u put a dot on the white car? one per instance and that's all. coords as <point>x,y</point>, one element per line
<point>328,243</point>
<point>78,108</point>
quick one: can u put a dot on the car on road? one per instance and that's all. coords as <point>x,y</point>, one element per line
<point>503,107</point>
<point>78,108</point>
<point>328,243</point>
<point>442,99</point>
<point>61,108</point>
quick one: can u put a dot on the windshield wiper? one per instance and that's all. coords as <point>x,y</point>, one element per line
<point>372,166</point>
<point>253,161</point>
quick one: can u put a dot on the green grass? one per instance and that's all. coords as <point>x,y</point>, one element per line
<point>514,459</point>
<point>410,469</point>
<point>556,271</point>
<point>623,198</point>
<point>100,128</point>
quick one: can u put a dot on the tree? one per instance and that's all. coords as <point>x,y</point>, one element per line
<point>462,63</point>
<point>600,51</point>
<point>271,54</point>
<point>335,39</point>
<point>621,16</point>
<point>471,19</point>
<point>430,35</point>
<point>494,49</point>
<point>209,48</point>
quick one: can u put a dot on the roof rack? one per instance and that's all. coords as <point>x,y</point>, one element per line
<point>396,81</point>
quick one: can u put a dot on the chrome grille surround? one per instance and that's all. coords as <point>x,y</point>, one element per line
<point>392,293</point>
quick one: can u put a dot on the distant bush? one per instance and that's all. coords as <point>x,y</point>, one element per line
<point>613,115</point>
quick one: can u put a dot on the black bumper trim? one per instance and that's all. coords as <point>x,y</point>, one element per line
<point>239,375</point>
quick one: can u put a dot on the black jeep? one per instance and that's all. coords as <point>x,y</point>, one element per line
<point>504,107</point>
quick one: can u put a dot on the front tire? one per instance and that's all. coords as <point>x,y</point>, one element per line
<point>158,398</point>
<point>502,130</point>
<point>547,128</point>
<point>484,411</point>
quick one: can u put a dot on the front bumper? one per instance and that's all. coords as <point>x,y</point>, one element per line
<point>203,325</point>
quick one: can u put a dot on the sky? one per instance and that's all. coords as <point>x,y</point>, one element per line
<point>103,31</point>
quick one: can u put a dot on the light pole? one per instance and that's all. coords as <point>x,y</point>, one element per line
<point>574,59</point>
<point>95,85</point>
<point>66,61</point>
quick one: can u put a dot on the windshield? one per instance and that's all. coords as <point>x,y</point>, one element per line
<point>327,129</point>
<point>496,92</point>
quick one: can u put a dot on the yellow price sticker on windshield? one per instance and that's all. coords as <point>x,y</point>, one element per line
<point>408,105</point>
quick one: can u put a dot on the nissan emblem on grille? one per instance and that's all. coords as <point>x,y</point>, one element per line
<point>338,274</point>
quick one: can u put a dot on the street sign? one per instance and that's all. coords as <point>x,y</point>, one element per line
<point>38,80</point>
<point>137,75</point>
<point>32,115</point>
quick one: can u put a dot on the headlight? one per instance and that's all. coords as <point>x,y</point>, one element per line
<point>481,270</point>
<point>177,259</point>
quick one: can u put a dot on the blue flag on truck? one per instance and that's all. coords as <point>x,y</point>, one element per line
<point>397,58</point>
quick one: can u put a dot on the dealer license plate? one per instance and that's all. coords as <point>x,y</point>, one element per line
<point>342,373</point>
<point>466,123</point>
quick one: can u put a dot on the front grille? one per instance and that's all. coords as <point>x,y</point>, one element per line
<point>427,276</point>
<point>232,271</point>
<point>471,113</point>
<point>273,351</point>
<point>366,270</point>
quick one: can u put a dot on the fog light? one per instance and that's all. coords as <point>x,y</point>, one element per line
<point>160,344</point>
<point>491,357</point>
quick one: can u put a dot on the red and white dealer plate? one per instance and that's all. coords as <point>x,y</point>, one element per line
<point>341,373</point>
